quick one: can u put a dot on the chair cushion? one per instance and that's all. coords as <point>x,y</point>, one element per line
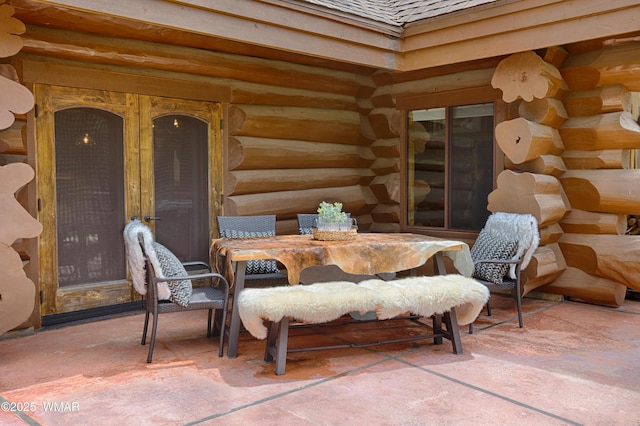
<point>172,267</point>
<point>254,266</point>
<point>491,246</point>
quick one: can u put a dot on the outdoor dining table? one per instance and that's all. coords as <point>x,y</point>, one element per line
<point>368,253</point>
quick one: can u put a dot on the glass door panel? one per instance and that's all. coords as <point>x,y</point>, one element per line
<point>180,152</point>
<point>470,165</point>
<point>83,137</point>
<point>427,173</point>
<point>181,168</point>
<point>449,166</point>
<point>90,196</point>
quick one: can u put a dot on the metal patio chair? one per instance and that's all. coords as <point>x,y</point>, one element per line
<point>306,222</point>
<point>258,272</point>
<point>502,250</point>
<point>152,264</point>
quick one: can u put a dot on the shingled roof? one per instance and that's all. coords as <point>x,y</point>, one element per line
<point>399,12</point>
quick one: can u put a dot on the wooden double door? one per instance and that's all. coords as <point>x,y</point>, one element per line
<point>104,157</point>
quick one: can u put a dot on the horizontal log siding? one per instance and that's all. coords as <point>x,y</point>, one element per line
<point>290,129</point>
<point>600,136</point>
<point>273,180</point>
<point>217,65</point>
<point>296,135</point>
<point>296,123</point>
<point>285,204</point>
<point>286,159</point>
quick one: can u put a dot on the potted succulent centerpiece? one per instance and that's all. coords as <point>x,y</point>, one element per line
<point>333,223</point>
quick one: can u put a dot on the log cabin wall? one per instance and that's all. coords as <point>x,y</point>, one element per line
<point>295,134</point>
<point>382,124</point>
<point>300,134</point>
<point>18,228</point>
<point>292,149</point>
<point>572,163</point>
<point>532,146</point>
<point>601,137</point>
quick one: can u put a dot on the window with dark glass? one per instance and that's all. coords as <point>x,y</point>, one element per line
<point>450,166</point>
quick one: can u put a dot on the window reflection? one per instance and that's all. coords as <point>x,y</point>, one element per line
<point>450,166</point>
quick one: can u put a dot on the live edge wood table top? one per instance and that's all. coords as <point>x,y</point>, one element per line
<point>368,253</point>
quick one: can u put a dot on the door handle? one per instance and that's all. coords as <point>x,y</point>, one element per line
<point>148,218</point>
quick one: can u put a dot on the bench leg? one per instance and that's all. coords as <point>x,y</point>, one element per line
<point>277,342</point>
<point>270,349</point>
<point>281,346</point>
<point>451,320</point>
<point>437,328</point>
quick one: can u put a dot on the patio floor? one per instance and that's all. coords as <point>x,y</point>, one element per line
<point>573,363</point>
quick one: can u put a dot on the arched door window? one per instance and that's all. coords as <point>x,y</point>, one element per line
<point>181,185</point>
<point>89,172</point>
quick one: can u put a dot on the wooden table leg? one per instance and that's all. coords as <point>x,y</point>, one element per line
<point>438,264</point>
<point>234,326</point>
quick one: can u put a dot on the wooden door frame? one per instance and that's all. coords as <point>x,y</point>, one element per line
<point>124,86</point>
<point>210,112</point>
<point>50,99</point>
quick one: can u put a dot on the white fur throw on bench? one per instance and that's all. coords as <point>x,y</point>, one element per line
<point>324,302</point>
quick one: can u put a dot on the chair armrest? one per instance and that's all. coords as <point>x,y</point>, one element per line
<point>193,277</point>
<point>195,263</point>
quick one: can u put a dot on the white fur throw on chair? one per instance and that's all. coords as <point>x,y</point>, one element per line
<point>136,260</point>
<point>324,302</point>
<point>522,228</point>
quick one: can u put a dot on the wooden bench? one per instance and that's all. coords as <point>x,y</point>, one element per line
<point>453,298</point>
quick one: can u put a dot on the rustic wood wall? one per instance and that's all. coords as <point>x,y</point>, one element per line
<point>296,134</point>
<point>17,290</point>
<point>382,126</point>
<point>570,155</point>
<point>601,137</point>
<point>290,150</point>
<point>533,148</point>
